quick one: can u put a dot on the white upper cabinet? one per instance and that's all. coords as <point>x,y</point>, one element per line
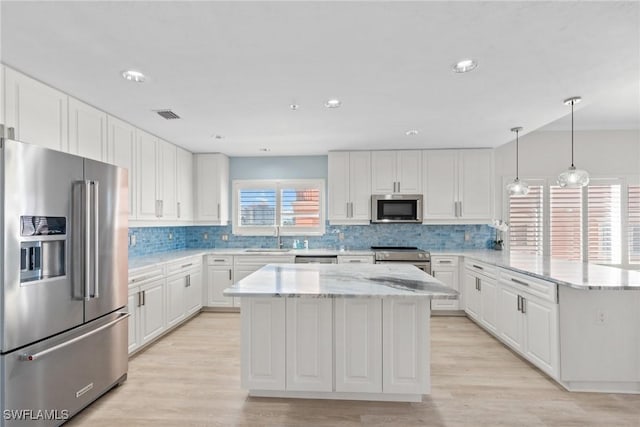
<point>349,187</point>
<point>36,112</point>
<point>212,189</point>
<point>396,172</point>
<point>458,186</point>
<point>87,131</point>
<point>121,149</point>
<point>155,178</point>
<point>184,177</point>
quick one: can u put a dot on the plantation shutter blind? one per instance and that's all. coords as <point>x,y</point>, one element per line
<point>565,222</point>
<point>634,224</point>
<point>300,206</point>
<point>604,233</point>
<point>526,221</point>
<point>257,207</point>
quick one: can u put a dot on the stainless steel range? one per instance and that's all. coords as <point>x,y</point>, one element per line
<point>403,254</point>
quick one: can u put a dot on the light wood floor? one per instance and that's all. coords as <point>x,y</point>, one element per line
<point>192,377</point>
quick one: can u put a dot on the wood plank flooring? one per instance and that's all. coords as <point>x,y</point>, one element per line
<point>191,377</point>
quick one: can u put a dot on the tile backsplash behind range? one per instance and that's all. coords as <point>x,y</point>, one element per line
<point>151,240</point>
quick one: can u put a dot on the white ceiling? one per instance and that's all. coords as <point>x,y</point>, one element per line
<point>233,68</point>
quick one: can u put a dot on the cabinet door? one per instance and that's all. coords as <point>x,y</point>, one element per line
<point>409,171</point>
<point>121,148</point>
<point>193,296</point>
<point>153,311</point>
<point>37,112</point>
<point>87,131</point>
<point>176,289</point>
<point>360,185</point>
<point>405,347</point>
<point>309,341</point>
<point>448,276</point>
<point>212,188</point>
<point>358,338</point>
<point>471,295</point>
<point>184,166</point>
<point>339,182</point>
<point>440,184</point>
<point>219,278</point>
<point>510,327</point>
<point>166,180</point>
<point>541,334</point>
<point>134,319</point>
<point>383,172</point>
<point>476,184</point>
<point>263,357</point>
<point>488,298</point>
<point>146,175</point>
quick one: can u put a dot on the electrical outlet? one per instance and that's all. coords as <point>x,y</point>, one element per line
<point>205,236</point>
<point>170,236</point>
<point>132,240</point>
<point>225,237</point>
<point>340,236</point>
<point>467,236</point>
<point>601,316</point>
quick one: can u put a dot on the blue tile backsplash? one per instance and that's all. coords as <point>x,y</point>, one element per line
<point>431,237</point>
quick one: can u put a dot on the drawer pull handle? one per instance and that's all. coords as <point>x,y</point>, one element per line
<point>354,260</point>
<point>445,261</point>
<point>519,282</point>
<point>186,265</point>
<point>219,260</point>
<point>478,267</point>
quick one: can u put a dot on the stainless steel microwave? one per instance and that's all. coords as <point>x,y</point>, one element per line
<point>396,208</point>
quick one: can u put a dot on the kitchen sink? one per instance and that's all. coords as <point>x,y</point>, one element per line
<point>266,250</point>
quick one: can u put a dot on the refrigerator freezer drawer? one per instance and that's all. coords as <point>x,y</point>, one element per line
<point>50,381</point>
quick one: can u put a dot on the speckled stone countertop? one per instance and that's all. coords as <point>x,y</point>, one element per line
<point>575,274</point>
<point>340,280</point>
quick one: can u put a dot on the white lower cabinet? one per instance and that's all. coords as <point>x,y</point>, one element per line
<point>510,319</point>
<point>309,335</point>
<point>152,310</point>
<point>405,349</point>
<point>471,295</point>
<point>541,333</point>
<point>134,318</point>
<point>193,292</point>
<point>263,344</point>
<point>480,294</point>
<point>445,269</point>
<point>358,345</point>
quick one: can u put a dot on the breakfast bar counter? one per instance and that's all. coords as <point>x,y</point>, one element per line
<point>337,331</point>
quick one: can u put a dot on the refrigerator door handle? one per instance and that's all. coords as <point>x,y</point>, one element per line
<point>39,355</point>
<point>87,240</point>
<point>96,240</point>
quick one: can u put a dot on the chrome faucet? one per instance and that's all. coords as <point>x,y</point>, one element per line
<point>279,238</point>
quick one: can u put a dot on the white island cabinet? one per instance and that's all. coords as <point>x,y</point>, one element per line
<point>337,331</point>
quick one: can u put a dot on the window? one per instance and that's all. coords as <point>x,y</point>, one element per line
<point>526,221</point>
<point>604,224</point>
<point>565,237</point>
<point>296,206</point>
<point>634,224</point>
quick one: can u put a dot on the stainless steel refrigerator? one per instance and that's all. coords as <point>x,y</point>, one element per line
<point>64,282</point>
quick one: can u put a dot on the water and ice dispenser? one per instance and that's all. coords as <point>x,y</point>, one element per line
<point>43,248</point>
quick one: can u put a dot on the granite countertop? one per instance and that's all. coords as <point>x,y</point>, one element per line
<point>340,280</point>
<point>574,274</point>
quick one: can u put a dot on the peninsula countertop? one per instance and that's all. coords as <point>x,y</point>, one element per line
<point>340,280</point>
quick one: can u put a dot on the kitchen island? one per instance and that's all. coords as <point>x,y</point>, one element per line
<point>337,331</point>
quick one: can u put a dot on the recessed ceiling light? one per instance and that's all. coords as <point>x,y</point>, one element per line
<point>265,149</point>
<point>294,107</point>
<point>134,76</point>
<point>216,136</point>
<point>333,103</point>
<point>411,132</point>
<point>465,66</point>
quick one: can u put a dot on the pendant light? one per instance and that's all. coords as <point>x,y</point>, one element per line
<point>572,177</point>
<point>517,187</point>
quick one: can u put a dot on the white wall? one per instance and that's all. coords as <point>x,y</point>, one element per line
<point>544,154</point>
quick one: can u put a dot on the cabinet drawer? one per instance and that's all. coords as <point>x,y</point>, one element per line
<point>184,265</point>
<point>219,260</point>
<point>261,260</point>
<point>147,273</point>
<point>480,267</point>
<point>444,261</point>
<point>355,259</point>
<point>541,288</point>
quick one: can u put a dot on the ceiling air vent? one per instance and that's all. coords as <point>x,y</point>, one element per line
<point>167,114</point>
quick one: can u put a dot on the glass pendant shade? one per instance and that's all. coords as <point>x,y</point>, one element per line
<point>573,178</point>
<point>518,188</point>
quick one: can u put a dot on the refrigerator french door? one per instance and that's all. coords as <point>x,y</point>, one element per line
<point>64,279</point>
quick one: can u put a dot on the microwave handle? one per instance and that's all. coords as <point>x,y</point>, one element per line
<point>419,210</point>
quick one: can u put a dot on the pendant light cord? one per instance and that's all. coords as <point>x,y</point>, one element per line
<point>517,156</point>
<point>572,103</point>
